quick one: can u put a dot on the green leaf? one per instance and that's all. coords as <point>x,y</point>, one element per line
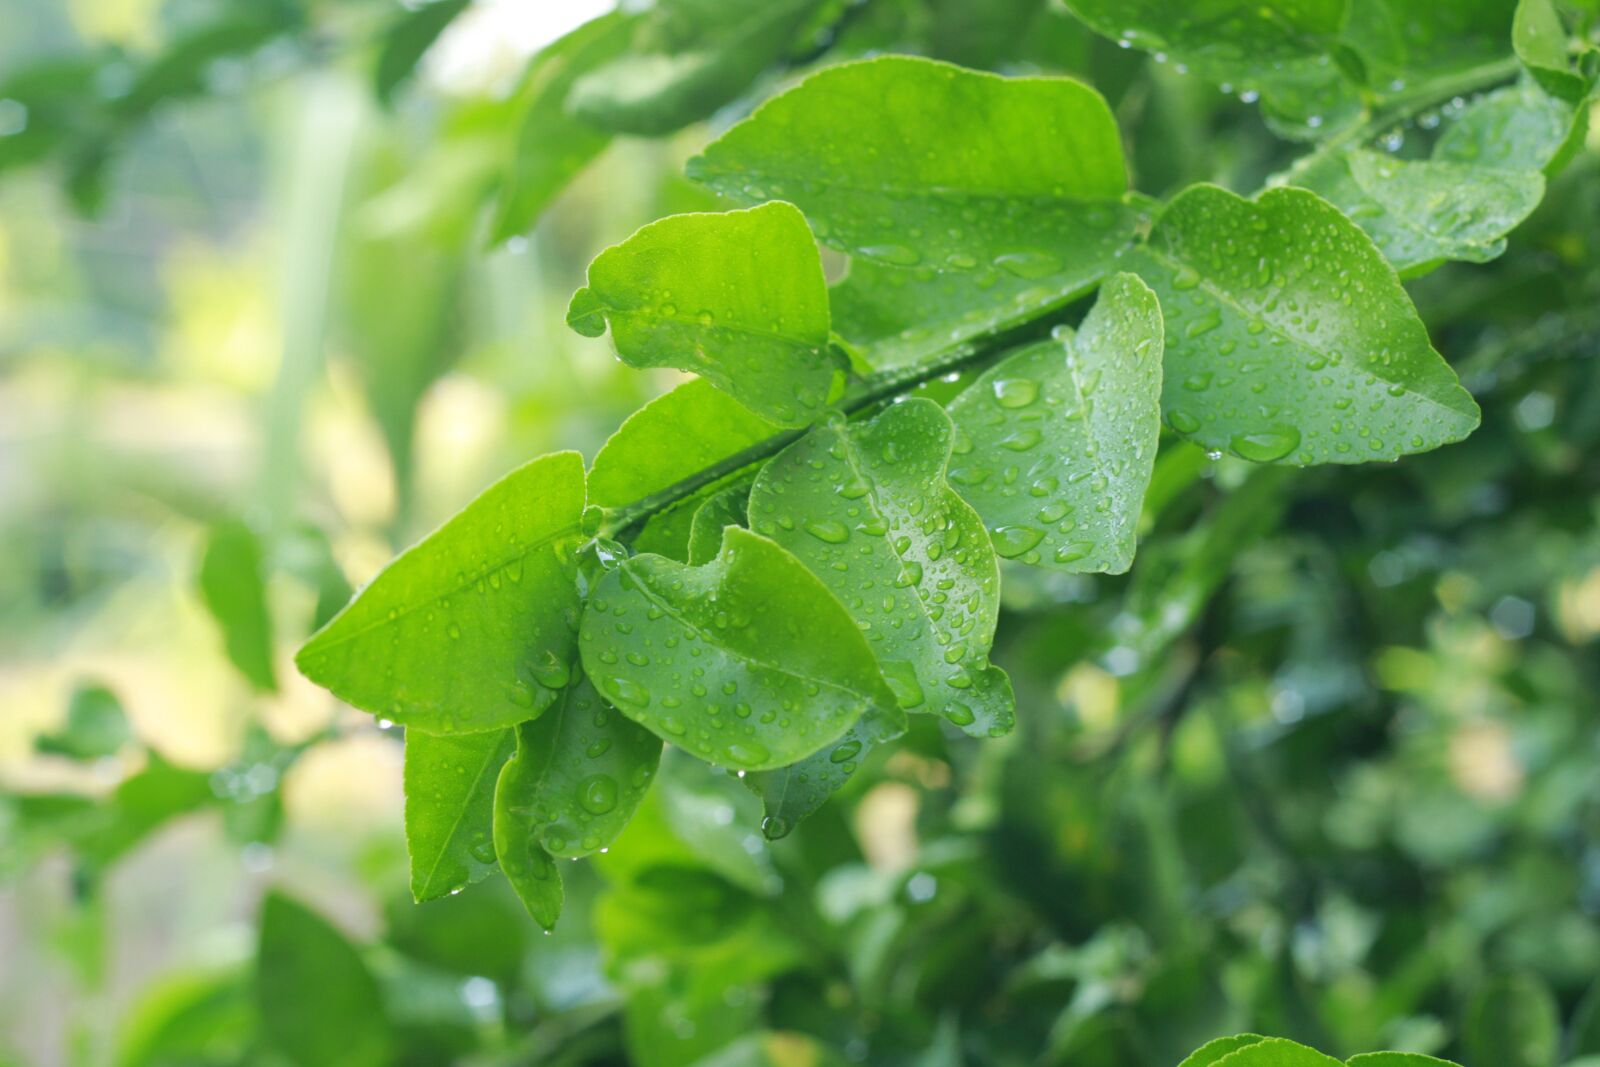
<point>580,771</point>
<point>1277,49</point>
<point>1212,1051</point>
<point>1289,338</point>
<point>189,1018</point>
<point>552,145</point>
<point>737,297</point>
<point>320,1005</point>
<point>140,805</point>
<point>914,162</point>
<point>407,40</point>
<point>1274,1052</point>
<point>790,794</point>
<point>450,785</point>
<point>747,661</point>
<point>726,507</point>
<point>689,58</point>
<point>1057,442</point>
<point>466,934</point>
<point>1541,41</point>
<point>1420,212</point>
<point>233,585</point>
<point>96,726</point>
<point>1397,1059</point>
<point>463,630</point>
<point>674,437</point>
<point>1519,127</point>
<point>867,509</point>
<point>1511,1021</point>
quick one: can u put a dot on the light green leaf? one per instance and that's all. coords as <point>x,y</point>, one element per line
<point>689,58</point>
<point>96,726</point>
<point>866,508</point>
<point>233,585</point>
<point>464,631</point>
<point>1511,1021</point>
<point>789,794</point>
<point>747,661</point>
<point>1058,441</point>
<point>1541,41</point>
<point>1519,127</point>
<point>1397,1059</point>
<point>896,317</point>
<point>737,297</point>
<point>320,1005</point>
<point>1421,212</point>
<point>1289,338</point>
<point>1275,1052</point>
<point>449,785</point>
<point>913,162</point>
<point>726,507</point>
<point>140,805</point>
<point>674,437</point>
<point>551,144</point>
<point>580,771</point>
<point>1214,1050</point>
<point>1277,49</point>
<point>192,1017</point>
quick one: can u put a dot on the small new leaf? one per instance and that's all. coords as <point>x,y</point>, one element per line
<point>465,630</point>
<point>737,297</point>
<point>747,661</point>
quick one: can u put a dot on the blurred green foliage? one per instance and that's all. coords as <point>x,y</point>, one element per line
<point>1322,766</point>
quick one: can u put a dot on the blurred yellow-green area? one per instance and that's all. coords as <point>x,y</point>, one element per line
<point>1324,764</point>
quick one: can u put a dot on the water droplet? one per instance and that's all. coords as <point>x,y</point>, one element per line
<point>631,692</point>
<point>902,679</point>
<point>745,753</point>
<point>1028,264</point>
<point>1015,392</point>
<point>899,255</point>
<point>1268,445</point>
<point>834,533</point>
<point>1012,541</point>
<point>598,794</point>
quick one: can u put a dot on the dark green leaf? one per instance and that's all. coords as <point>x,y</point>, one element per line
<point>1289,338</point>
<point>941,166</point>
<point>449,783</point>
<point>737,297</point>
<point>1057,443</point>
<point>233,585</point>
<point>407,40</point>
<point>319,1004</point>
<point>726,507</point>
<point>1511,1021</point>
<point>463,630</point>
<point>747,661</point>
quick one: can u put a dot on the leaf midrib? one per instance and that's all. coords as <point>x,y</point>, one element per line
<point>461,815</point>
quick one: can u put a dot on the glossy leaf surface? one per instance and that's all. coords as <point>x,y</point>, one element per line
<point>866,508</point>
<point>464,631</point>
<point>747,661</point>
<point>736,297</point>
<point>449,783</point>
<point>1289,338</point>
<point>1057,442</point>
<point>912,162</point>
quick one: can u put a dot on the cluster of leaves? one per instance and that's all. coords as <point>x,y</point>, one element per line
<point>774,599</point>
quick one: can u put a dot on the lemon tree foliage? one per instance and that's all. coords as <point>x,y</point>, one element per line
<point>779,570</point>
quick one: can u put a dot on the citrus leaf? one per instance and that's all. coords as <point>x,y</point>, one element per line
<point>1511,1021</point>
<point>688,59</point>
<point>1275,1052</point>
<point>579,773</point>
<point>407,39</point>
<point>461,631</point>
<point>1519,127</point>
<point>1058,441</point>
<point>551,145</point>
<point>944,167</point>
<point>747,661</point>
<point>1421,212</point>
<point>867,509</point>
<point>95,726</point>
<point>791,793</point>
<point>319,1004</point>
<point>233,586</point>
<point>737,297</point>
<point>1289,338</point>
<point>726,507</point>
<point>1214,1050</point>
<point>1397,1059</point>
<point>449,786</point>
<point>1540,41</point>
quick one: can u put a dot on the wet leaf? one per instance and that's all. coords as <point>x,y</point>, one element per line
<point>747,661</point>
<point>1289,338</point>
<point>456,633</point>
<point>449,784</point>
<point>736,297</point>
<point>941,167</point>
<point>1058,441</point>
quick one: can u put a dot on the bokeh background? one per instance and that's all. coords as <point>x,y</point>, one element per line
<point>1326,765</point>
